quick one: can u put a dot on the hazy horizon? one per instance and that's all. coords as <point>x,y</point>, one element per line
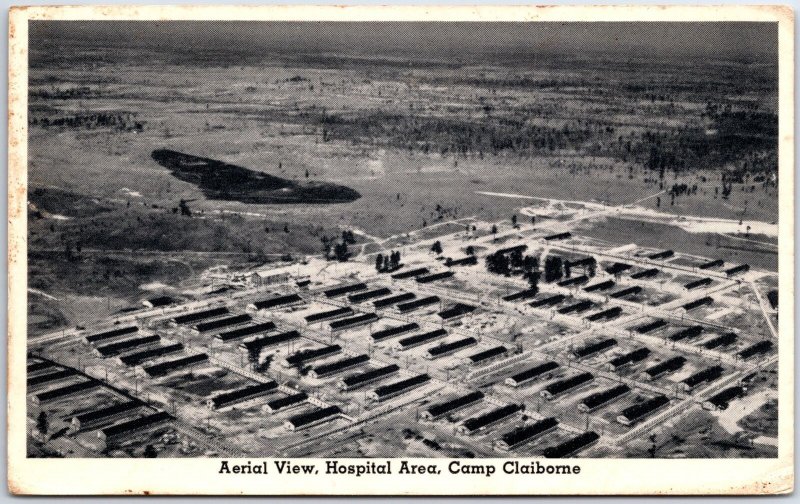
<point>742,41</point>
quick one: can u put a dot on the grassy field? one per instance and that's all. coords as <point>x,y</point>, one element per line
<point>661,236</point>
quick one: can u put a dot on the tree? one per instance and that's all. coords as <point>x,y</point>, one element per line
<point>533,280</point>
<point>515,259</point>
<point>395,259</point>
<point>392,261</point>
<point>150,451</point>
<point>494,229</point>
<point>340,251</point>
<point>530,263</point>
<point>184,207</point>
<point>262,367</point>
<point>591,268</point>
<point>514,220</point>
<point>653,447</point>
<point>253,355</point>
<point>379,262</point>
<point>553,269</point>
<point>498,263</point>
<point>326,247</point>
<point>470,250</point>
<point>437,247</point>
<point>42,424</point>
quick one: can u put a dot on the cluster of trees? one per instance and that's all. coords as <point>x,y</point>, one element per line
<point>727,186</point>
<point>511,263</point>
<point>43,424</point>
<point>254,359</point>
<point>72,252</point>
<point>285,228</point>
<point>387,263</point>
<point>436,248</point>
<point>533,280</point>
<point>553,269</point>
<point>721,135</point>
<point>440,213</point>
<point>755,162</point>
<point>63,94</point>
<point>348,237</point>
<point>517,81</point>
<point>333,249</point>
<point>730,139</point>
<point>122,121</point>
<point>183,207</point>
<point>681,189</point>
<point>451,135</point>
<point>556,268</point>
<point>515,263</point>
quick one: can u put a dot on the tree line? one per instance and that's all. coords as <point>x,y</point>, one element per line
<point>515,262</point>
<point>122,121</point>
<point>738,139</point>
<point>388,263</point>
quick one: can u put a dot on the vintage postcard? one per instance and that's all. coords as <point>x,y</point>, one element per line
<point>318,250</point>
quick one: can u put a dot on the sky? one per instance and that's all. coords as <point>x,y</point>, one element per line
<point>716,40</point>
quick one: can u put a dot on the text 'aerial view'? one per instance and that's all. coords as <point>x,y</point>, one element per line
<point>409,239</point>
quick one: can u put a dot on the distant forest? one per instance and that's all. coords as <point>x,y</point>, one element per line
<point>740,140</point>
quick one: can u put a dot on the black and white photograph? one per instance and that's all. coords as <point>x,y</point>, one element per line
<point>373,242</point>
